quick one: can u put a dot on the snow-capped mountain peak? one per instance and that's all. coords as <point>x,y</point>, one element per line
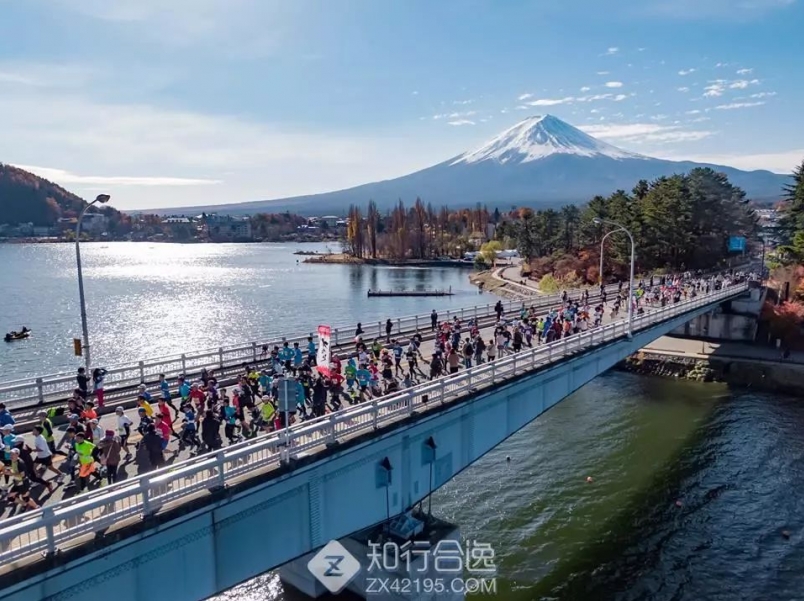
<point>538,137</point>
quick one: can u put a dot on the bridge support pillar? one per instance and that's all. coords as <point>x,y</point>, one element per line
<point>391,568</point>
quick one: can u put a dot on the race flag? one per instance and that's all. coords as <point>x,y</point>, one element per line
<point>324,353</point>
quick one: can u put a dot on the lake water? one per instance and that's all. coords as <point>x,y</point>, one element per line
<point>148,300</point>
<point>735,461</point>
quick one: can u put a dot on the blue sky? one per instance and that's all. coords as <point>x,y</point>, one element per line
<point>187,102</point>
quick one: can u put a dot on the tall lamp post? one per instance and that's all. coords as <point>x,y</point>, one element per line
<point>600,272</point>
<point>619,227</point>
<point>102,199</point>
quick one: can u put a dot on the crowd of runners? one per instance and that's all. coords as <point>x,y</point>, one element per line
<point>202,414</point>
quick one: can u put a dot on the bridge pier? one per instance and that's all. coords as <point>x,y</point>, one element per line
<point>389,567</point>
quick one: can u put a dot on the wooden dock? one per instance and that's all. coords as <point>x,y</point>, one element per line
<point>372,293</point>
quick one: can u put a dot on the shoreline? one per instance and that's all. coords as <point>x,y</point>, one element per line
<point>344,259</point>
<point>741,365</point>
<point>166,241</point>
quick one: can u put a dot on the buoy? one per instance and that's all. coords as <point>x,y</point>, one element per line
<point>508,458</point>
<point>786,534</point>
<point>679,504</point>
<point>589,479</point>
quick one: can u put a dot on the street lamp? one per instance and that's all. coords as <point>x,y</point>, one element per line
<point>599,221</point>
<point>600,272</point>
<point>102,199</point>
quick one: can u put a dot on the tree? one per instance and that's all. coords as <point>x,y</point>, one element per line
<point>372,223</point>
<point>489,251</point>
<point>792,221</point>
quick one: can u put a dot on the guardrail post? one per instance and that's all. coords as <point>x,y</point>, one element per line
<point>220,357</point>
<point>398,326</point>
<point>142,371</point>
<point>493,372</point>
<point>49,517</point>
<point>183,363</point>
<point>416,322</point>
<point>462,314</point>
<point>476,315</point>
<point>219,462</point>
<point>335,341</point>
<point>379,329</point>
<point>40,393</point>
<point>331,438</point>
<point>375,412</point>
<point>447,314</point>
<point>514,362</point>
<point>145,491</point>
<point>443,391</point>
<point>254,351</point>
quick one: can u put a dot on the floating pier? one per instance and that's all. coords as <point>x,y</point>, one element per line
<point>410,292</point>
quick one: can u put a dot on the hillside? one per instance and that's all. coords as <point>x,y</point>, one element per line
<point>25,197</point>
<point>540,161</point>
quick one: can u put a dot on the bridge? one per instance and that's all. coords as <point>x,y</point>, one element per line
<point>203,525</point>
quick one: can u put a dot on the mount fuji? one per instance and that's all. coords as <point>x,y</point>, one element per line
<point>540,161</point>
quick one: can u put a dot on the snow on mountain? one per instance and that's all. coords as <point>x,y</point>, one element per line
<point>539,137</point>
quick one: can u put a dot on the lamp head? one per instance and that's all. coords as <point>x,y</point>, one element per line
<point>597,221</point>
<point>102,198</point>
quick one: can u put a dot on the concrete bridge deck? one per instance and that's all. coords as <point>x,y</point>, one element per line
<point>103,520</point>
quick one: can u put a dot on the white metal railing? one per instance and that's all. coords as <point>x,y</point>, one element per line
<point>65,523</point>
<point>54,387</point>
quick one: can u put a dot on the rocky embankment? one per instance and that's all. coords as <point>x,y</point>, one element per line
<point>770,376</point>
<point>488,283</point>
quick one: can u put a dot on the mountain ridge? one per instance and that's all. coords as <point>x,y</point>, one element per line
<point>540,161</point>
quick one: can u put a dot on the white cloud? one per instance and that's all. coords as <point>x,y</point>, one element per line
<point>612,50</point>
<point>415,92</point>
<point>683,89</point>
<point>715,89</point>
<point>602,72</point>
<point>233,27</point>
<point>720,65</point>
<point>524,96</point>
<point>461,122</point>
<point>700,120</point>
<point>745,71</point>
<point>693,112</point>
<point>456,115</point>
<point>464,102</point>
<point>585,89</point>
<point>162,156</point>
<point>62,177</point>
<point>640,133</point>
<point>686,72</point>
<point>614,84</point>
<point>778,162</point>
<point>738,105</point>
<point>550,101</point>
<point>743,84</point>
<point>763,95</point>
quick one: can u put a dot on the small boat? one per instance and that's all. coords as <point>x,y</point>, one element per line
<point>22,334</point>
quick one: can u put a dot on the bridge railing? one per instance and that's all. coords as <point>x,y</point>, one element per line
<point>74,520</point>
<point>37,390</point>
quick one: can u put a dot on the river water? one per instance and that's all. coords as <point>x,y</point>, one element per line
<point>733,460</point>
<point>150,300</point>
